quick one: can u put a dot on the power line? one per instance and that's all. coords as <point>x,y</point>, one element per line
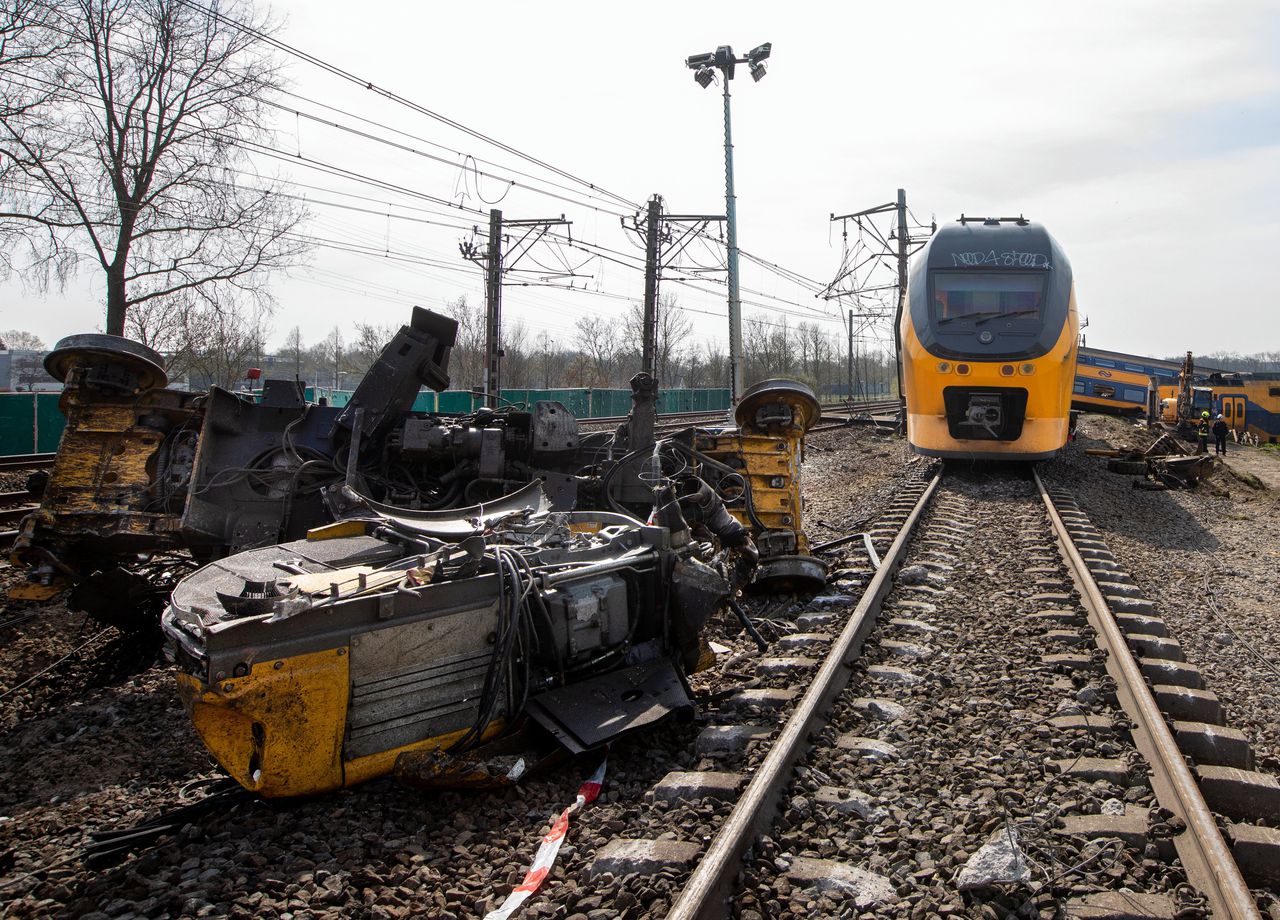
<point>398,99</point>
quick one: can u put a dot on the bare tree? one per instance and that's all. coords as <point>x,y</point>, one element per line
<point>517,361</point>
<point>673,330</point>
<point>333,356</point>
<point>552,363</point>
<point>295,350</point>
<point>466,361</point>
<point>370,340</point>
<point>21,340</point>
<point>598,340</point>
<point>166,325</point>
<point>225,343</point>
<point>768,348</point>
<point>25,45</point>
<point>136,163</point>
<point>27,363</point>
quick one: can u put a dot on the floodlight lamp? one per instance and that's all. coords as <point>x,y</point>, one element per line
<point>698,61</point>
<point>704,76</point>
<point>757,71</point>
<point>759,53</point>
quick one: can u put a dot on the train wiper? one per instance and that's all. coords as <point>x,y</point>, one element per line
<point>987,316</point>
<point>979,317</point>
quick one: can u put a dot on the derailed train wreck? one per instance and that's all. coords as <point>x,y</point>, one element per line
<point>324,662</point>
<point>387,589</point>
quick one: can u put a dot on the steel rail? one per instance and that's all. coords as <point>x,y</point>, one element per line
<point>860,408</point>
<point>16,514</point>
<point>706,894</point>
<point>26,461</point>
<point>1204,853</point>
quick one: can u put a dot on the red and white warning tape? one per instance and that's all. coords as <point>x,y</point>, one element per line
<point>545,858</point>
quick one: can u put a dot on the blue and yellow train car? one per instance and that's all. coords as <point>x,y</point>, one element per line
<point>988,342</point>
<point>1249,403</point>
<point>1116,392</point>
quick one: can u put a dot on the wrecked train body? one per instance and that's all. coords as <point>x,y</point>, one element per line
<point>325,662</point>
<point>149,480</point>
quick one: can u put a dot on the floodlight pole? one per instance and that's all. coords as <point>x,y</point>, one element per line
<point>724,60</point>
<point>735,301</point>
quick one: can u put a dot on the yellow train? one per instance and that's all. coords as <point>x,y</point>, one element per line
<point>988,342</point>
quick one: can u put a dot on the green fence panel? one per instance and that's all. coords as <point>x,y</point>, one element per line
<point>517,399</point>
<point>338,398</point>
<point>457,402</point>
<point>576,401</point>
<point>425,401</point>
<point>675,400</point>
<point>17,423</point>
<point>610,402</point>
<point>49,423</point>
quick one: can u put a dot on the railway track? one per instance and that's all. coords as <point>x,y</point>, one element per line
<point>833,415</point>
<point>825,756</point>
<point>26,462</point>
<point>14,506</point>
<point>1013,736</point>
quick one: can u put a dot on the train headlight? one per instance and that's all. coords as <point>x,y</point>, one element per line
<point>1027,369</point>
<point>1006,370</point>
<point>962,369</point>
<point>944,367</point>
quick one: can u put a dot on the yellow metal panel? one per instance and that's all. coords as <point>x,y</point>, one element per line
<point>32,591</point>
<point>363,769</point>
<point>340,529</point>
<point>278,730</point>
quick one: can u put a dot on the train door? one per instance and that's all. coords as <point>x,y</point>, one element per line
<point>1233,412</point>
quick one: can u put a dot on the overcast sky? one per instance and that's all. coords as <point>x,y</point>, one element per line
<point>1144,135</point>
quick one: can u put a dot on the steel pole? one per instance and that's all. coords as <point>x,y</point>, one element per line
<point>904,240</point>
<point>731,215</point>
<point>649,344</point>
<point>493,313</point>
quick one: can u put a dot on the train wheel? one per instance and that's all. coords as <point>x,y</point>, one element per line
<point>114,362</point>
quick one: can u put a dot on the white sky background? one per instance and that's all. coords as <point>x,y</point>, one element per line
<point>1144,135</point>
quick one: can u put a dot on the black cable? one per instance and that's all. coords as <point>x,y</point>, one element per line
<point>747,624</point>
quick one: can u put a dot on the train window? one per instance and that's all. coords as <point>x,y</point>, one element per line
<point>1103,362</point>
<point>982,295</point>
<point>1275,391</point>
<point>1105,390</point>
<point>1078,387</point>
<point>1134,395</point>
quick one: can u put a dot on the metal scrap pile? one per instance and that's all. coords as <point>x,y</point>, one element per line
<point>360,589</point>
<point>1164,465</point>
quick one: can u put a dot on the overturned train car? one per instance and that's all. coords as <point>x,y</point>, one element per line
<point>322,663</point>
<point>149,480</point>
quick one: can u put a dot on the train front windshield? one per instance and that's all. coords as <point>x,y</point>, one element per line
<point>980,296</point>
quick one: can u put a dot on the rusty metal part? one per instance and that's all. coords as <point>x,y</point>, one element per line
<point>134,367</point>
<point>706,893</point>
<point>765,453</point>
<point>791,573</point>
<point>1204,853</point>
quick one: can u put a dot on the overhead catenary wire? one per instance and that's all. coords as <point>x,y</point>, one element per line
<point>766,301</point>
<point>369,85</point>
